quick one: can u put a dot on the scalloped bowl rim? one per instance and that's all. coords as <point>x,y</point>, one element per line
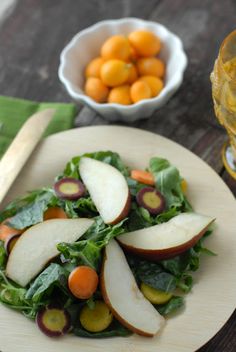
<point>172,86</point>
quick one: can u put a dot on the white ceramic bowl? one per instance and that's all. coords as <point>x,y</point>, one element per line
<point>86,45</point>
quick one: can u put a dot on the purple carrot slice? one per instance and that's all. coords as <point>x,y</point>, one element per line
<point>53,321</point>
<point>151,199</point>
<point>69,188</point>
<point>10,242</point>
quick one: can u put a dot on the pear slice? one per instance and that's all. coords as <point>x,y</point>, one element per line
<point>168,239</point>
<point>122,295</point>
<point>108,189</point>
<point>37,245</point>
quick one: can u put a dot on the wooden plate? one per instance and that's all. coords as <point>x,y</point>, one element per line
<point>212,299</point>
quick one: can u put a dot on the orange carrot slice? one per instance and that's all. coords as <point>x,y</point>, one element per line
<point>6,231</point>
<point>143,177</point>
<point>54,213</point>
<point>83,282</point>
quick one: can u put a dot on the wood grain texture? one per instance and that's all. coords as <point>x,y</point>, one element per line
<point>200,319</point>
<point>32,37</point>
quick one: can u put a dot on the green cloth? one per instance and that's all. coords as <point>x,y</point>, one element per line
<point>14,112</point>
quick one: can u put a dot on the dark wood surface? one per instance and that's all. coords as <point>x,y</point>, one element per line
<point>35,32</point>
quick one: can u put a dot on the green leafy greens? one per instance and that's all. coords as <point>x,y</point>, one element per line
<point>54,275</point>
<point>51,287</point>
<point>88,251</point>
<point>111,158</point>
<point>168,182</point>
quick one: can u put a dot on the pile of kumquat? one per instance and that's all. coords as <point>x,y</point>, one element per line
<point>127,70</point>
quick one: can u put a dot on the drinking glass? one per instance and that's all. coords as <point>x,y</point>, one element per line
<point>223,79</point>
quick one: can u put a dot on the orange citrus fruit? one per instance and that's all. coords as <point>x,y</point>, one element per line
<point>93,68</point>
<point>145,43</point>
<point>114,72</point>
<point>151,66</point>
<point>133,54</point>
<point>155,84</point>
<point>96,89</point>
<point>116,47</point>
<point>133,74</point>
<point>120,95</point>
<point>140,90</point>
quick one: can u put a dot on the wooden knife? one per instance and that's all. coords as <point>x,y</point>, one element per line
<point>21,148</point>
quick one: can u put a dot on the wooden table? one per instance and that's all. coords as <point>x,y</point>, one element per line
<point>34,33</point>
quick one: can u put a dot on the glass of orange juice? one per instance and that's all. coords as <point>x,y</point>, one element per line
<point>223,80</point>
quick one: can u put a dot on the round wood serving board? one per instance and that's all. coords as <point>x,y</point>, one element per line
<point>212,299</point>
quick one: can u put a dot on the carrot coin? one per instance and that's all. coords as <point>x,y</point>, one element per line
<point>116,47</point>
<point>94,67</point>
<point>120,95</point>
<point>96,319</point>
<point>54,213</point>
<point>96,89</point>
<point>114,72</point>
<point>143,177</point>
<point>151,66</point>
<point>145,43</point>
<point>83,282</point>
<point>139,91</point>
<point>155,84</point>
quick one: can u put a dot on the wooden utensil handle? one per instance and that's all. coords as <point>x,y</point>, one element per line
<point>21,148</point>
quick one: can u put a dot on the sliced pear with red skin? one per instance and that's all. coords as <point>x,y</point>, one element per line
<point>38,245</point>
<point>122,295</point>
<point>108,189</point>
<point>169,239</point>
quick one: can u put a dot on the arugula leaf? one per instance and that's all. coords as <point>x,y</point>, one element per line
<point>3,256</point>
<point>199,248</point>
<point>13,296</point>
<point>171,306</point>
<point>140,217</point>
<point>101,233</point>
<point>82,253</point>
<point>72,167</point>
<point>185,282</point>
<point>79,208</point>
<point>167,215</point>
<point>168,182</point>
<point>53,275</point>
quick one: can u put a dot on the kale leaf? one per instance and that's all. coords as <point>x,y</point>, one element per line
<point>54,275</point>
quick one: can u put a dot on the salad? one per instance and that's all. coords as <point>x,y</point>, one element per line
<point>106,251</point>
